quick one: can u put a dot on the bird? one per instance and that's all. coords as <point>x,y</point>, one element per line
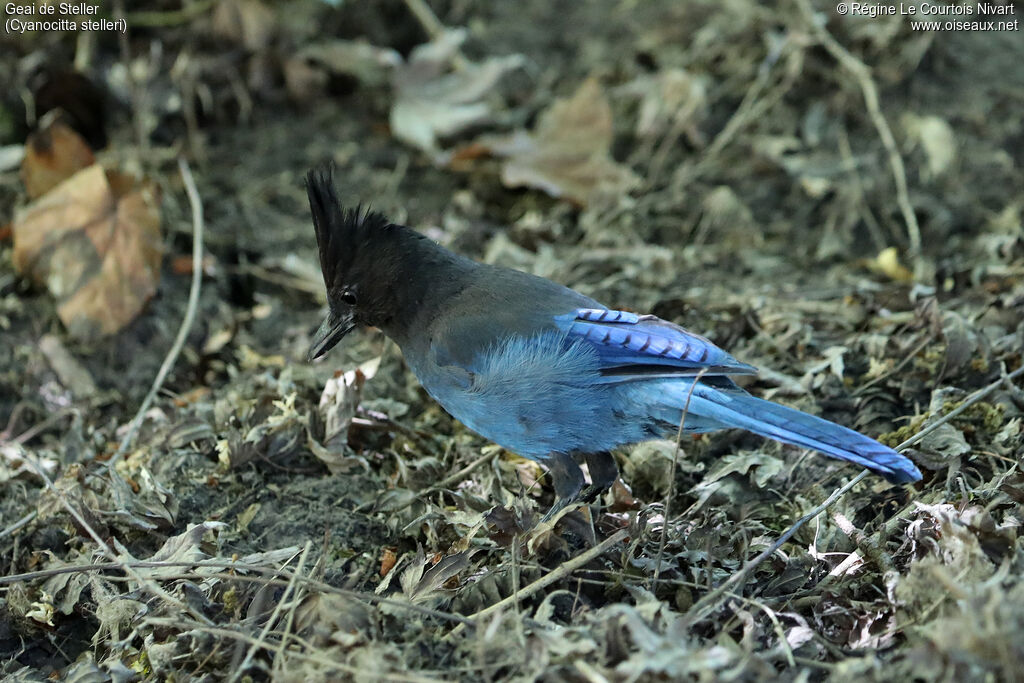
<point>541,369</point>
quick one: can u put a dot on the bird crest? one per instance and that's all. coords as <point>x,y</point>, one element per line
<point>339,231</point>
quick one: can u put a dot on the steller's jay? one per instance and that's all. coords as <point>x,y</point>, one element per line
<point>538,368</point>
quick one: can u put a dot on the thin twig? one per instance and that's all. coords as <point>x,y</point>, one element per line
<point>262,639</point>
<point>20,523</point>
<point>39,427</point>
<point>899,366</point>
<point>12,419</point>
<point>550,578</point>
<point>867,545</point>
<point>968,402</point>
<point>135,90</point>
<point>190,310</point>
<point>463,473</point>
<point>428,20</point>
<point>280,648</point>
<point>434,28</point>
<point>869,90</point>
<point>315,288</point>
<point>709,601</point>
<point>672,475</point>
<point>749,109</point>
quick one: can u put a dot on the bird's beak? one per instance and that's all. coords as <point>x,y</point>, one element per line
<point>332,329</point>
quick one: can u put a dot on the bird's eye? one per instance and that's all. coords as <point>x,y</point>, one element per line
<point>348,298</point>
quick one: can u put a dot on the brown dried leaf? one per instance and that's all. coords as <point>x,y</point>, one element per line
<point>421,585</point>
<point>504,525</point>
<point>94,241</point>
<point>53,153</point>
<point>338,403</point>
<point>432,103</point>
<point>568,153</point>
<point>388,558</point>
<point>339,400</point>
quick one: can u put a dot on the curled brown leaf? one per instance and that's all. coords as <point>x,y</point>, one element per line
<point>94,242</point>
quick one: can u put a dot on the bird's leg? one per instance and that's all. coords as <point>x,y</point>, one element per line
<point>603,473</point>
<point>567,478</point>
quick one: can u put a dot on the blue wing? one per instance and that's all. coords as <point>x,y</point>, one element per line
<point>632,346</point>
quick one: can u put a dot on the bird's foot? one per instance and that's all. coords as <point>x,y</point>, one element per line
<point>571,492</point>
<point>561,507</point>
<point>603,473</point>
<point>572,515</point>
<point>588,495</point>
<point>592,492</point>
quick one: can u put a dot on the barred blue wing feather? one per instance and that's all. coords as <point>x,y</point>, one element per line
<point>632,346</point>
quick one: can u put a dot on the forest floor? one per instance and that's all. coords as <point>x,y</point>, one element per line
<point>836,200</point>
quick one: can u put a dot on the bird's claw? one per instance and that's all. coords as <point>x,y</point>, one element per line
<point>591,493</point>
<point>559,508</point>
<point>587,496</point>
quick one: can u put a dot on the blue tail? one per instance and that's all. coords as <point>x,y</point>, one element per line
<point>734,408</point>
